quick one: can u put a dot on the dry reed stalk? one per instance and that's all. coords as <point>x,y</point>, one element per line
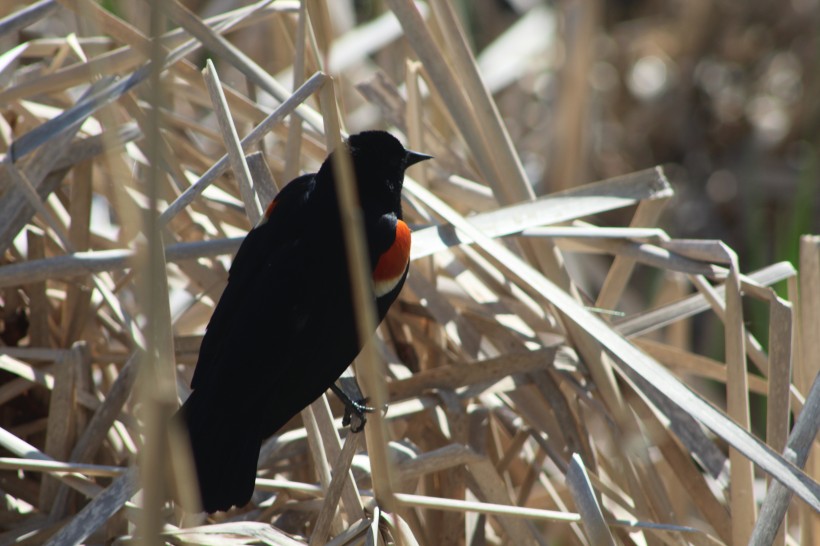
<point>231,139</point>
<point>737,401</point>
<point>807,367</point>
<point>294,141</point>
<point>511,403</point>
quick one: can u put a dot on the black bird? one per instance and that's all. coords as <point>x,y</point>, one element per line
<point>284,329</point>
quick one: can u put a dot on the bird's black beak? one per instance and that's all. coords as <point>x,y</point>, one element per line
<point>415,157</point>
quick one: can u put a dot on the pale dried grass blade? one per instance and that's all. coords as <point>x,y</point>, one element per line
<point>39,332</point>
<point>551,209</point>
<point>9,59</point>
<point>644,253</point>
<point>341,457</point>
<point>492,489</point>
<point>331,516</point>
<point>25,450</point>
<point>352,534</point>
<point>293,145</point>
<point>264,182</point>
<point>781,342</point>
<point>592,518</point>
<point>27,371</point>
<point>26,16</point>
<point>62,420</point>
<point>737,394</point>
<point>54,467</point>
<point>157,370</point>
<point>83,263</point>
<point>341,480</point>
<point>486,508</point>
<point>807,365</point>
<point>107,412</point>
<point>231,140</point>
<point>569,149</point>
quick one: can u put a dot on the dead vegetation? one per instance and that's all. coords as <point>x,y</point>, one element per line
<point>523,407</point>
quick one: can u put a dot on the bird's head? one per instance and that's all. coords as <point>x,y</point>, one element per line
<point>379,162</point>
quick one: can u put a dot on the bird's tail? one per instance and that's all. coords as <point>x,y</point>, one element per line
<point>225,449</point>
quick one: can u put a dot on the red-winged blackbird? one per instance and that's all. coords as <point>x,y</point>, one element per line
<point>284,330</point>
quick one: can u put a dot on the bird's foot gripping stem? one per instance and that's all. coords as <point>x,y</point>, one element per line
<point>357,408</point>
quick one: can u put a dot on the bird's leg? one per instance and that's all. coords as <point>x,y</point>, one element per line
<point>353,407</point>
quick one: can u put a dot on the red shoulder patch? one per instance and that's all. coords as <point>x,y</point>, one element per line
<point>393,262</point>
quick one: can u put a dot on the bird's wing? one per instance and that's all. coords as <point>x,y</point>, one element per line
<point>265,266</point>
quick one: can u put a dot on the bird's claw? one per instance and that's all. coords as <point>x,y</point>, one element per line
<point>359,408</point>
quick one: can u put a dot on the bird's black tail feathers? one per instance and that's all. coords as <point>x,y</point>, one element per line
<point>225,452</point>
